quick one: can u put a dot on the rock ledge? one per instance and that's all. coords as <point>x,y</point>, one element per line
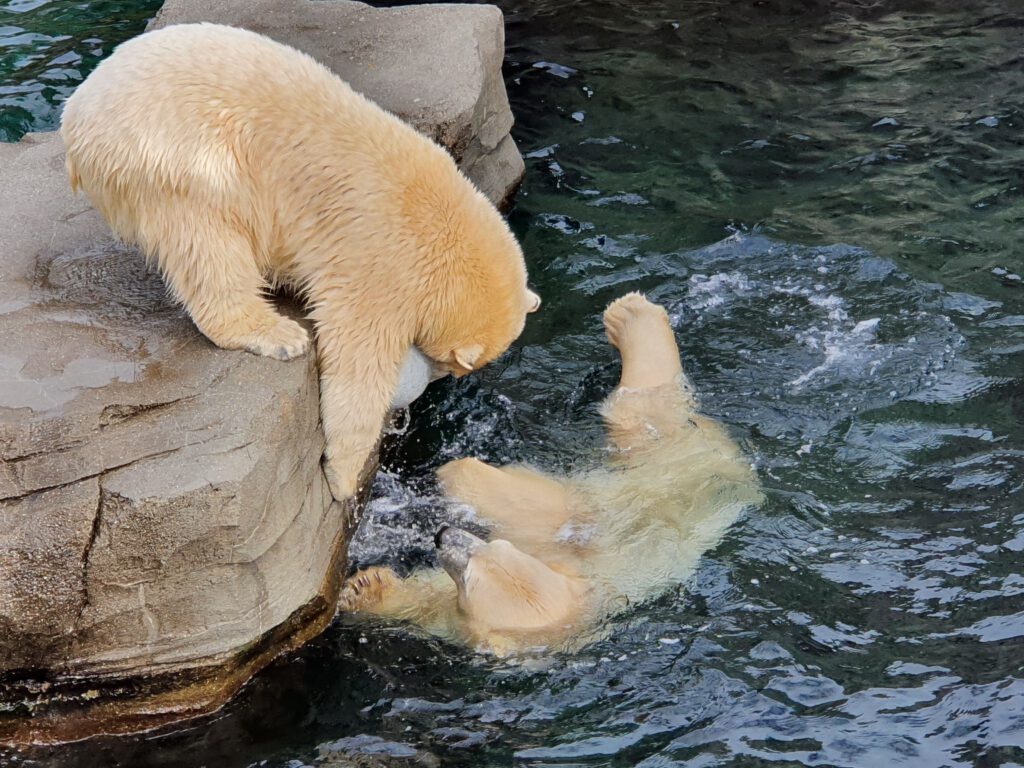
<point>165,528</point>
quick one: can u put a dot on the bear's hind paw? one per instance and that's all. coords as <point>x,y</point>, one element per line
<point>630,314</point>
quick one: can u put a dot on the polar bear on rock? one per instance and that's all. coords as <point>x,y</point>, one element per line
<point>572,551</point>
<point>239,164</point>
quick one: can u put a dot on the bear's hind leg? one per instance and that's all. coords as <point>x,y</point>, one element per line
<point>212,271</point>
<point>654,398</point>
<point>640,330</point>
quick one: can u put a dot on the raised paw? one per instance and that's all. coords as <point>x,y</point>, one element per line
<point>367,588</point>
<point>285,340</point>
<point>632,314</point>
<point>640,330</point>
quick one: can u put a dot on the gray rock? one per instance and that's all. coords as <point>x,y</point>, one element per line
<point>165,528</point>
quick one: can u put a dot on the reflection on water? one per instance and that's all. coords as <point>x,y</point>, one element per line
<point>828,198</point>
<point>48,46</point>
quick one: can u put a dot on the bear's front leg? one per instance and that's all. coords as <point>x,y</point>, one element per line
<point>525,506</point>
<point>359,365</point>
<point>425,597</point>
<point>211,269</point>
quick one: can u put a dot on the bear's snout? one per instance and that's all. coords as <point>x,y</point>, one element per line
<point>455,547</point>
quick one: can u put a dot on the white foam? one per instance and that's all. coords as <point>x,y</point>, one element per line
<point>844,346</point>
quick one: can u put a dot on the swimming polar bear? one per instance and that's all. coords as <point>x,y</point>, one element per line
<point>571,551</point>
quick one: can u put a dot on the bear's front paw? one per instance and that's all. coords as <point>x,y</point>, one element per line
<point>366,589</point>
<point>342,478</point>
<point>285,340</point>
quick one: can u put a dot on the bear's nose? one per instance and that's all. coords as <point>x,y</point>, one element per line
<point>439,535</point>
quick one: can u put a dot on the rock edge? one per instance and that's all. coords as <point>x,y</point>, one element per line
<point>165,528</point>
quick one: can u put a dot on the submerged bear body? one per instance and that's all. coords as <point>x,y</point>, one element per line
<point>568,552</point>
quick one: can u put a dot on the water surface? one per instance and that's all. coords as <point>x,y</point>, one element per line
<point>48,46</point>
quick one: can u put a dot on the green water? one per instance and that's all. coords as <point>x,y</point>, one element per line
<point>48,46</point>
<point>827,197</point>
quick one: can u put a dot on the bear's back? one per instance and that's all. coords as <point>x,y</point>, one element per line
<point>658,511</point>
<point>200,106</point>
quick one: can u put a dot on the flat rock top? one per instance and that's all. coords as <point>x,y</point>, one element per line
<point>89,334</point>
<point>110,397</point>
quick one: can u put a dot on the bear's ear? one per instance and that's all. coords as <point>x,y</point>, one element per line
<point>533,300</point>
<point>466,357</point>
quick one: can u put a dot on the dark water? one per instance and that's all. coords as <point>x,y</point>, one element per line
<point>827,196</point>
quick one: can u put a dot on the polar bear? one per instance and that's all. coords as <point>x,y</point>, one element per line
<point>238,164</point>
<point>571,551</point>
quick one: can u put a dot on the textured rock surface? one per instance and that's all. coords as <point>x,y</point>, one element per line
<point>161,501</point>
<point>165,528</point>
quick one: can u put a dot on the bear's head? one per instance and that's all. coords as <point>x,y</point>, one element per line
<point>478,298</point>
<point>482,342</point>
<point>508,598</point>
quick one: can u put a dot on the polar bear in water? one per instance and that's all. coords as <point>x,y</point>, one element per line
<point>568,552</point>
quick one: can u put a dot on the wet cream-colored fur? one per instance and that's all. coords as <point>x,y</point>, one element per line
<point>570,551</point>
<point>238,164</point>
